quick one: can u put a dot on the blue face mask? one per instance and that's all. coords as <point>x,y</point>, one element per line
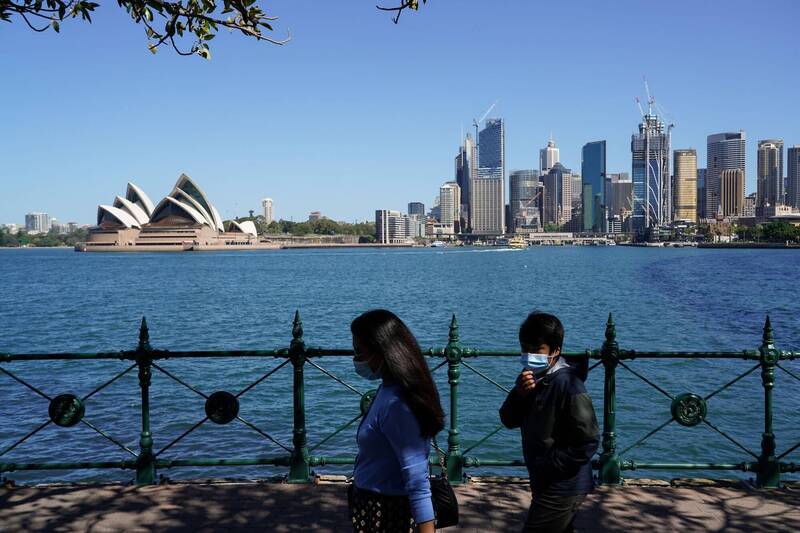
<point>538,362</point>
<point>363,369</point>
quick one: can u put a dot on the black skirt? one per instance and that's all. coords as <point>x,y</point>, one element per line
<point>372,512</point>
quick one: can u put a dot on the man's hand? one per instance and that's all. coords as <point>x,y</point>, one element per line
<point>525,383</point>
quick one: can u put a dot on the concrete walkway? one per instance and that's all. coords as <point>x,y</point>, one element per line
<point>484,507</point>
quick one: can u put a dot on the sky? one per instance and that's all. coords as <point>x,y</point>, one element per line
<point>357,114</point>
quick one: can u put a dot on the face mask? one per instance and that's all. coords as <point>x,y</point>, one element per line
<point>538,362</point>
<point>363,369</point>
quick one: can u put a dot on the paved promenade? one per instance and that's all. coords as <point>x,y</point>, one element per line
<point>484,506</point>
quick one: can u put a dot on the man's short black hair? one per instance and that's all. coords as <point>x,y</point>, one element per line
<point>541,328</point>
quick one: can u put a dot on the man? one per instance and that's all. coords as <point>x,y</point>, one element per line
<point>550,405</point>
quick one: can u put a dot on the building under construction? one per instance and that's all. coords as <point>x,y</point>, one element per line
<point>652,186</point>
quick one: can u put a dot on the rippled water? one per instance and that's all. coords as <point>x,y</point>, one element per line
<point>670,299</point>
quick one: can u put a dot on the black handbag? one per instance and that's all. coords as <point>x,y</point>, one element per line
<point>445,504</point>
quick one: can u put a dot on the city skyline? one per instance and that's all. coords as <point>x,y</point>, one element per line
<point>342,145</point>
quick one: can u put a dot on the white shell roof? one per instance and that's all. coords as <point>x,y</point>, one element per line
<point>247,226</point>
<point>134,192</point>
<point>216,220</point>
<point>183,196</point>
<point>136,208</point>
<point>132,209</point>
<point>191,211</point>
<point>124,218</point>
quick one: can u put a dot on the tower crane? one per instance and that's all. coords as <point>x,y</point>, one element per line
<point>639,103</point>
<point>650,100</point>
<point>478,121</point>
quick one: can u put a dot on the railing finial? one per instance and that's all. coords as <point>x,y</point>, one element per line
<point>297,326</point>
<point>611,329</point>
<point>144,335</point>
<point>768,339</point>
<point>453,335</point>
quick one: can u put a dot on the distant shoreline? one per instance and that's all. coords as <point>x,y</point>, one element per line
<point>303,246</point>
<point>749,245</point>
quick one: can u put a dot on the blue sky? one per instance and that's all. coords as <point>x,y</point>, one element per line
<point>357,114</point>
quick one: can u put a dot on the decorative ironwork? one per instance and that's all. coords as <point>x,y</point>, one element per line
<point>689,409</point>
<point>222,407</point>
<point>66,410</point>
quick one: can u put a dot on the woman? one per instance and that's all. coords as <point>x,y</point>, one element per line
<point>391,489</point>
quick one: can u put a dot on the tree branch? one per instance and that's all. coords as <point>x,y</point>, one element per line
<point>31,26</point>
<point>406,4</point>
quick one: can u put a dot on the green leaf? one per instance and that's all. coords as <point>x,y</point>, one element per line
<point>56,26</point>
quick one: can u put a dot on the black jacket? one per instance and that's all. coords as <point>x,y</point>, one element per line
<point>559,432</point>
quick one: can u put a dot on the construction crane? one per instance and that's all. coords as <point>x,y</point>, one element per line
<point>529,202</point>
<point>650,100</point>
<point>477,122</point>
<point>661,191</point>
<point>639,103</point>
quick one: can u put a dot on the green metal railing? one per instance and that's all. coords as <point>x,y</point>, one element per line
<point>222,407</point>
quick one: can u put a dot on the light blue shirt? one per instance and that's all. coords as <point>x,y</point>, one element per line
<point>392,455</point>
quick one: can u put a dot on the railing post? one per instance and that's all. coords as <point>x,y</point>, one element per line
<point>146,463</point>
<point>768,474</point>
<point>455,463</point>
<point>609,462</point>
<point>299,462</point>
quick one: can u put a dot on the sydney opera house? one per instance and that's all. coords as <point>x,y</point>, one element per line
<point>183,220</point>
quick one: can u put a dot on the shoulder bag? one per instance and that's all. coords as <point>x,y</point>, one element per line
<point>445,504</point>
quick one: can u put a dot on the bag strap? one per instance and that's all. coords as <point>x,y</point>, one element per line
<point>441,456</point>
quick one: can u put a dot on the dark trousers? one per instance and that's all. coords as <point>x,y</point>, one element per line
<point>552,513</point>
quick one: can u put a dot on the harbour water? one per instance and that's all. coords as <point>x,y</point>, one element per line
<point>661,299</point>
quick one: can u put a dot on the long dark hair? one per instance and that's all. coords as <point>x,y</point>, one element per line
<point>384,334</point>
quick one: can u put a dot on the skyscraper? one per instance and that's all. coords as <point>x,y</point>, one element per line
<point>557,195</point>
<point>593,172</point>
<point>769,184</point>
<point>725,151</point>
<point>416,208</point>
<point>685,182</point>
<point>466,171</point>
<point>524,190</point>
<point>548,157</point>
<point>652,194</point>
<point>266,204</point>
<point>793,173</point>
<point>576,187</point>
<point>619,195</point>
<point>450,204</point>
<point>487,189</point>
<point>732,192</point>
<point>701,194</point>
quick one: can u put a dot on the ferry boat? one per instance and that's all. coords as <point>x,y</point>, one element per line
<point>438,244</point>
<point>518,243</point>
